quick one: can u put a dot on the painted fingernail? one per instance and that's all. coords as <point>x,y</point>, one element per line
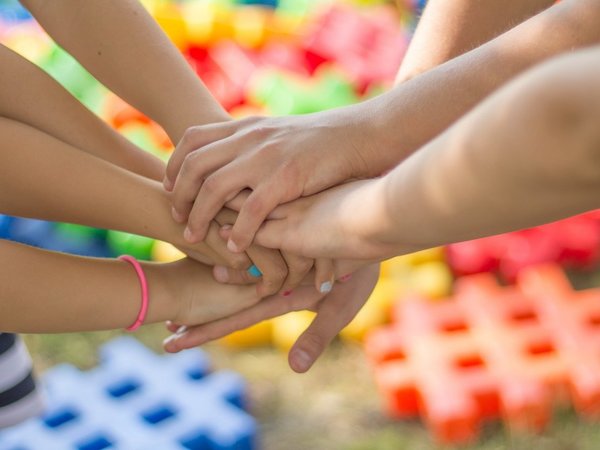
<point>176,215</point>
<point>232,247</point>
<point>287,293</point>
<point>221,274</point>
<point>188,235</point>
<point>346,277</point>
<point>301,360</point>
<point>168,184</point>
<point>326,287</point>
<point>169,340</point>
<point>254,271</point>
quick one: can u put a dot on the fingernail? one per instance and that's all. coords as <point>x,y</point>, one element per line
<point>254,271</point>
<point>176,215</point>
<point>287,293</point>
<point>226,227</point>
<point>346,277</point>
<point>301,360</point>
<point>167,184</point>
<point>232,247</point>
<point>221,274</point>
<point>169,340</point>
<point>188,235</point>
<point>326,287</point>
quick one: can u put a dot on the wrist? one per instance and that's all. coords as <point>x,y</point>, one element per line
<point>379,231</point>
<point>374,139</point>
<point>164,303</point>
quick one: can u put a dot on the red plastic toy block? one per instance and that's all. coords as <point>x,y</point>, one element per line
<point>491,352</point>
<point>369,47</point>
<point>573,242</point>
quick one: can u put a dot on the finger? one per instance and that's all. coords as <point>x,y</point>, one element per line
<point>273,268</point>
<point>254,211</point>
<point>194,138</point>
<point>273,234</point>
<point>172,326</point>
<point>298,268</point>
<point>217,189</point>
<point>324,275</point>
<point>239,261</point>
<point>196,167</point>
<point>334,313</point>
<point>301,299</point>
<point>227,275</point>
<point>270,263</point>
<point>237,202</point>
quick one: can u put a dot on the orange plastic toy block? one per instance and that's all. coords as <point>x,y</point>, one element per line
<point>491,352</point>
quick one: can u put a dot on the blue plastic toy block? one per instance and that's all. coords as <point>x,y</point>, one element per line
<point>40,233</point>
<point>137,400</point>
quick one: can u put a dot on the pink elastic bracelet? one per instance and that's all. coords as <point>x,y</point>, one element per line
<point>144,284</point>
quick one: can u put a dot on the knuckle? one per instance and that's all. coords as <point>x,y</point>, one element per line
<point>301,267</point>
<point>259,132</point>
<point>211,184</point>
<point>254,205</point>
<point>188,138</point>
<point>289,171</point>
<point>279,273</point>
<point>188,134</point>
<point>188,162</point>
<point>238,262</point>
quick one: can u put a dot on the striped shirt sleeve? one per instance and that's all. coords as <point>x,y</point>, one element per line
<point>20,399</point>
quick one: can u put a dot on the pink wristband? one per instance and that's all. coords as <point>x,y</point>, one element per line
<point>144,284</point>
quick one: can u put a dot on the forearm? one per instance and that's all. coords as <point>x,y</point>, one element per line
<point>45,178</point>
<point>448,29</point>
<point>416,111</point>
<point>46,292</point>
<point>30,96</point>
<point>527,156</point>
<point>122,46</point>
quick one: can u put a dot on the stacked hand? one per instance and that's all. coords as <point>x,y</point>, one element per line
<point>236,174</point>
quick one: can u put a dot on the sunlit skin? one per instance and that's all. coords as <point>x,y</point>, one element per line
<point>125,49</point>
<point>528,155</point>
<point>284,158</point>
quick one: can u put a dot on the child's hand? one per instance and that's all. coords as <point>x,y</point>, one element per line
<point>281,271</point>
<point>334,312</point>
<point>280,159</point>
<point>197,297</point>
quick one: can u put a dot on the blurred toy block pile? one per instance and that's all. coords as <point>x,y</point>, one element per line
<point>136,399</point>
<point>491,352</point>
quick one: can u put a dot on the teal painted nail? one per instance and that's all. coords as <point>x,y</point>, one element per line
<point>254,271</point>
